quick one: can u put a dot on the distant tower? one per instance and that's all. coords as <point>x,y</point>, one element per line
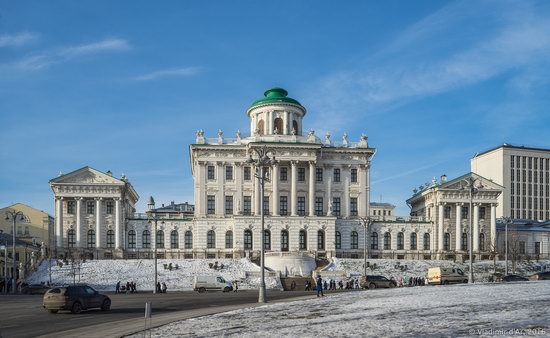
<point>276,114</point>
<point>151,203</point>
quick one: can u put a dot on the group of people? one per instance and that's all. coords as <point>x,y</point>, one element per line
<point>130,287</point>
<point>331,284</point>
<point>411,281</point>
<point>161,287</point>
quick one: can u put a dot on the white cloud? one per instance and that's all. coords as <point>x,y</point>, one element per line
<point>184,72</point>
<point>48,58</point>
<point>17,40</point>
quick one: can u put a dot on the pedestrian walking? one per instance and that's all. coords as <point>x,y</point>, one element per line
<point>235,286</point>
<point>163,287</point>
<point>292,285</point>
<point>158,287</point>
<point>319,286</point>
<point>117,287</point>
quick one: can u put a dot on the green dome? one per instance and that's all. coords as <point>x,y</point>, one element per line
<point>275,95</point>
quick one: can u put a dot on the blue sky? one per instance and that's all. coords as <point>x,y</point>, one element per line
<point>123,85</point>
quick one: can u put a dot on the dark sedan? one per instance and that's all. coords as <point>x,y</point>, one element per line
<point>541,276</point>
<point>75,298</point>
<point>514,278</point>
<point>374,282</point>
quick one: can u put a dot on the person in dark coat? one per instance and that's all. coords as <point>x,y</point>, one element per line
<point>319,286</point>
<point>117,287</point>
<point>158,287</point>
<point>292,285</point>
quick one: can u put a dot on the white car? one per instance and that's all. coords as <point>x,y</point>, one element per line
<point>211,283</point>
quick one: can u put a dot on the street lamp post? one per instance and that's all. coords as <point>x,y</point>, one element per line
<point>261,162</point>
<point>366,222</point>
<point>153,218</point>
<point>5,248</point>
<point>470,184</point>
<point>507,220</point>
<point>13,215</point>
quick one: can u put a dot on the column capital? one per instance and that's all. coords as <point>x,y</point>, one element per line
<point>59,198</point>
<point>238,164</point>
<point>312,163</point>
<point>98,198</point>
<point>294,162</point>
<point>78,198</point>
<point>459,204</point>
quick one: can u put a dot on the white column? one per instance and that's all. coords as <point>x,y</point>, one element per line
<point>285,123</point>
<point>493,226</point>
<point>367,184</point>
<point>476,228</point>
<point>98,225</point>
<point>220,199</point>
<point>346,173</point>
<point>257,202</point>
<point>275,189</point>
<point>329,190</point>
<point>311,193</point>
<point>78,202</point>
<point>362,207</point>
<point>59,222</point>
<point>118,242</point>
<point>238,198</point>
<point>293,189</point>
<point>200,185</point>
<point>440,228</point>
<point>458,228</point>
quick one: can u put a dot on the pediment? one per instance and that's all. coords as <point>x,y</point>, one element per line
<point>458,183</point>
<point>87,175</point>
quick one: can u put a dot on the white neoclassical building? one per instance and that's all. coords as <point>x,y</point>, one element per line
<point>91,208</point>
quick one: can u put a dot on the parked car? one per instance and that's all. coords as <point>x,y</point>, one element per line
<point>444,276</point>
<point>375,282</point>
<point>34,289</point>
<point>211,283</point>
<point>514,278</point>
<point>541,276</point>
<point>75,298</point>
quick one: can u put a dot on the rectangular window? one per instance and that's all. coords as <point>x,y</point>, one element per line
<point>353,206</point>
<point>319,174</point>
<point>229,205</point>
<point>481,213</point>
<point>336,175</point>
<point>229,173</point>
<point>70,207</point>
<point>109,207</point>
<point>90,207</point>
<point>247,173</point>
<point>530,163</point>
<point>522,248</point>
<point>512,161</point>
<point>266,205</point>
<point>283,205</point>
<point>464,212</point>
<point>319,206</point>
<point>523,161</point>
<point>210,172</point>
<point>336,206</point>
<point>354,175</point>
<point>512,175</point>
<point>284,174</point>
<point>447,212</point>
<point>301,206</point>
<point>247,205</point>
<point>211,205</point>
<point>537,248</point>
<point>301,174</point>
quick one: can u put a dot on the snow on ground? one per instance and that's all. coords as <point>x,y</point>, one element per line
<point>437,311</point>
<point>104,274</point>
<point>419,268</point>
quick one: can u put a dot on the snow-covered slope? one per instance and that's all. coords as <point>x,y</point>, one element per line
<point>104,274</point>
<point>419,268</point>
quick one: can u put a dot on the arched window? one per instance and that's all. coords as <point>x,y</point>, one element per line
<point>464,242</point>
<point>413,241</point>
<point>320,240</point>
<point>387,241</point>
<point>400,241</point>
<point>284,240</point>
<point>278,126</point>
<point>71,240</point>
<point>267,240</point>
<point>248,240</point>
<point>481,241</point>
<point>260,127</point>
<point>146,239</point>
<point>303,240</point>
<point>131,239</point>
<point>447,241</point>
<point>295,127</point>
<point>354,240</point>
<point>338,242</point>
<point>91,238</point>
<point>211,239</point>
<point>374,241</point>
<point>188,239</point>
<point>110,239</point>
<point>160,239</point>
<point>229,239</point>
<point>174,239</point>
<point>426,241</point>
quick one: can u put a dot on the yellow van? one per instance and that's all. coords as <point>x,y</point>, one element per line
<point>444,276</point>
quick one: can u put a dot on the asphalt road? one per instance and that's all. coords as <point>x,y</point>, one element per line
<point>23,315</point>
